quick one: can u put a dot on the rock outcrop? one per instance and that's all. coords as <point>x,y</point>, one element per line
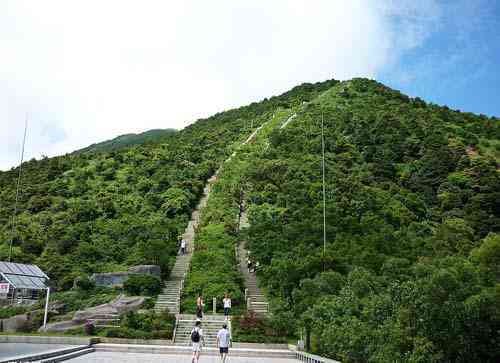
<point>120,305</point>
<point>15,323</point>
<point>118,278</point>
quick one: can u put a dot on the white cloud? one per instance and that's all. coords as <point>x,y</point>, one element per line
<point>91,70</point>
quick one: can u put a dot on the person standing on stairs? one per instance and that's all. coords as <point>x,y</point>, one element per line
<point>223,342</point>
<point>183,246</point>
<point>199,306</point>
<point>197,341</point>
<point>227,306</point>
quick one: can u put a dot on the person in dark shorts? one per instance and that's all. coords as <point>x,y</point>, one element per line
<point>223,342</point>
<point>197,341</point>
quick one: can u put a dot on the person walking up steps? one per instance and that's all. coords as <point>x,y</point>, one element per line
<point>227,306</point>
<point>183,246</point>
<point>199,307</point>
<point>223,342</point>
<point>197,341</point>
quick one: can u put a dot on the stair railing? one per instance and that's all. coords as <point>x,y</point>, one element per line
<point>311,358</point>
<point>175,327</point>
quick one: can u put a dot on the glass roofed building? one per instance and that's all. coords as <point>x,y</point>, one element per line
<point>21,283</point>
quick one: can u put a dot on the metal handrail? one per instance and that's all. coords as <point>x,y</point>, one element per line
<point>175,328</point>
<point>311,358</point>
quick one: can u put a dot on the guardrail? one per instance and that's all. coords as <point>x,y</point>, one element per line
<point>311,358</point>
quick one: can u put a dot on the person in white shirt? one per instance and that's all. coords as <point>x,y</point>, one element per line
<point>227,305</point>
<point>183,246</point>
<point>223,342</point>
<point>197,341</point>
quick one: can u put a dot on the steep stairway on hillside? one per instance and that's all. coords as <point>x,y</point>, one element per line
<point>170,297</point>
<point>256,301</point>
<point>210,325</point>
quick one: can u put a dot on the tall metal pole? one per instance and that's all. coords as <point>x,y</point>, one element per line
<point>324,189</point>
<point>47,297</point>
<point>17,189</point>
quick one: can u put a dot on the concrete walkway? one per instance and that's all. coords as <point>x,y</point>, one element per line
<point>112,357</point>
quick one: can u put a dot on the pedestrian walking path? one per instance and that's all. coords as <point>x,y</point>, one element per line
<point>206,357</point>
<point>256,301</point>
<point>170,297</point>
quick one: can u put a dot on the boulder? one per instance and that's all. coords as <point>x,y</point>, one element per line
<point>15,323</point>
<point>94,312</point>
<point>110,278</point>
<point>154,270</point>
<point>120,305</point>
<point>124,304</point>
<point>118,278</point>
<point>61,326</point>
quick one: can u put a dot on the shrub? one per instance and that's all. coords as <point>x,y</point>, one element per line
<point>148,304</point>
<point>127,333</point>
<point>142,285</point>
<point>147,325</point>
<point>9,311</point>
<point>89,328</point>
<point>84,283</point>
<point>254,329</point>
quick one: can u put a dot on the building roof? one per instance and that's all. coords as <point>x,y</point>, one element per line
<point>23,276</point>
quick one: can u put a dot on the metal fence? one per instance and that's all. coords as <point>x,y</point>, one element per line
<point>311,358</point>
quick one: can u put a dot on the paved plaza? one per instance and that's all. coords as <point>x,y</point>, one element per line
<point>10,350</point>
<point>118,357</point>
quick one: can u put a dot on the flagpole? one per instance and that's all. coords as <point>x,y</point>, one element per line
<point>18,188</point>
<point>324,189</point>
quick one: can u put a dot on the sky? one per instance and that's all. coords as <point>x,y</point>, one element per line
<point>87,71</point>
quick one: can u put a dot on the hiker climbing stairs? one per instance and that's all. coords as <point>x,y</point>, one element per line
<point>211,324</point>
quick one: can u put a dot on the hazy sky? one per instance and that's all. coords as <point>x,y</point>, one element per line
<point>87,71</point>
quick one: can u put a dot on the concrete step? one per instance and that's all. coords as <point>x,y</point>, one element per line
<point>185,349</point>
<point>69,356</point>
<point>106,316</point>
<point>103,321</point>
<point>48,356</point>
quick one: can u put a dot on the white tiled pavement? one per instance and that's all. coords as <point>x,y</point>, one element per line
<point>118,357</point>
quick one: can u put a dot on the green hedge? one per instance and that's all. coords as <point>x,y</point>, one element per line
<point>147,325</point>
<point>142,285</point>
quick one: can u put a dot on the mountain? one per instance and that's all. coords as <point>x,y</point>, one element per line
<point>127,140</point>
<point>408,270</point>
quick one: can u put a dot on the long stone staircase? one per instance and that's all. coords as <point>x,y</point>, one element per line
<point>210,325</point>
<point>170,297</point>
<point>256,301</point>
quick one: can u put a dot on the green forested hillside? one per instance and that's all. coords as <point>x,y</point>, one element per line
<point>411,269</point>
<point>127,140</point>
<point>102,211</point>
